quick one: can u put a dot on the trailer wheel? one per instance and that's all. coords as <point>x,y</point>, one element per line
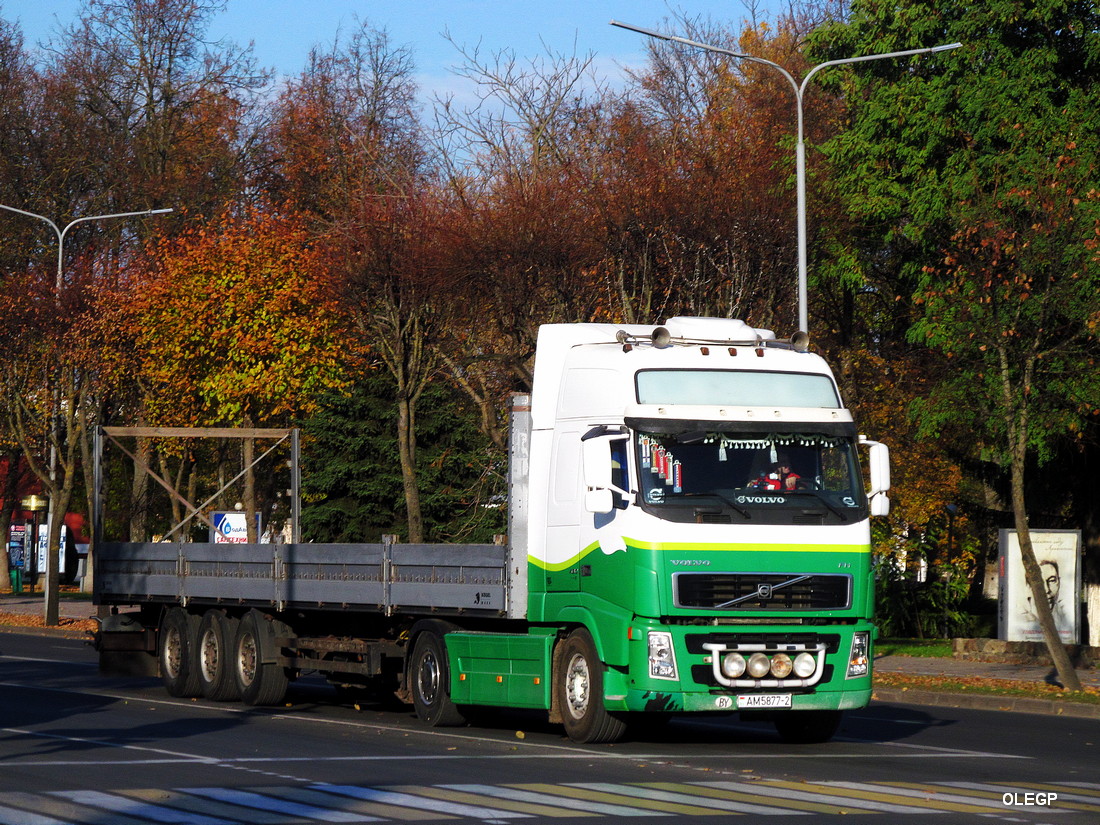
<point>179,636</point>
<point>258,682</point>
<point>217,631</point>
<point>578,681</point>
<point>429,682</point>
<point>807,727</point>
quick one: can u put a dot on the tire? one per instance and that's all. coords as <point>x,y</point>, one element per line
<point>429,682</point>
<point>214,657</point>
<point>807,727</point>
<point>179,636</point>
<point>578,681</point>
<point>257,682</point>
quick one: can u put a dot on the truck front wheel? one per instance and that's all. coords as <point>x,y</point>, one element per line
<point>579,685</point>
<point>429,681</point>
<point>215,657</point>
<point>179,634</point>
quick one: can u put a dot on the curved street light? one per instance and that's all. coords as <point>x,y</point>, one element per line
<point>53,554</point>
<point>62,232</point>
<point>800,151</point>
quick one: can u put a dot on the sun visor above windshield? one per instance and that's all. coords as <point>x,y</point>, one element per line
<point>668,419</point>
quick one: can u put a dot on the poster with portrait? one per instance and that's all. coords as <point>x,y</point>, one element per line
<point>1058,553</point>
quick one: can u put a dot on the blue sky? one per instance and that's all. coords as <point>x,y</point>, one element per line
<point>283,31</point>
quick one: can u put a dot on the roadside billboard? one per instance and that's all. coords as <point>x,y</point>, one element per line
<point>1059,554</point>
<point>232,527</point>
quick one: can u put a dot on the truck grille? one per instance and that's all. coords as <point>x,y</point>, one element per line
<point>762,591</point>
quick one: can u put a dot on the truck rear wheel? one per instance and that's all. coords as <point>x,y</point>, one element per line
<point>579,685</point>
<point>258,682</point>
<point>429,682</point>
<point>217,632</point>
<point>807,727</point>
<point>179,635</point>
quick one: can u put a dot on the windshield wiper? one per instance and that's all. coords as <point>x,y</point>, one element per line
<point>818,495</point>
<point>733,506</point>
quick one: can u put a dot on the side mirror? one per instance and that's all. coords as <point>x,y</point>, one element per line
<point>596,462</point>
<point>599,501</point>
<point>878,460</point>
<point>599,493</point>
<point>880,504</point>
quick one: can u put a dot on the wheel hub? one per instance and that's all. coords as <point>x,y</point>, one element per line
<point>428,677</point>
<point>173,653</point>
<point>577,686</point>
<point>246,660</point>
<point>209,657</point>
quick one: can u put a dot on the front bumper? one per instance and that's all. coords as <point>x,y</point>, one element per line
<point>699,684</point>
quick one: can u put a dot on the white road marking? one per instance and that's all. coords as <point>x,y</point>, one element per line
<point>408,800</point>
<point>134,807</point>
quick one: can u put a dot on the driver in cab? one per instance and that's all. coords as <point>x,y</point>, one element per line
<point>778,477</point>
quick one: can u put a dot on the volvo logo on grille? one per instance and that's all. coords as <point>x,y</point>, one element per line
<point>764,592</point>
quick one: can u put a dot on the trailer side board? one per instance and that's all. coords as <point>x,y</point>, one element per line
<point>385,577</point>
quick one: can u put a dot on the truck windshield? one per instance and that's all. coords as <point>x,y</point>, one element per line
<point>748,388</point>
<point>772,478</point>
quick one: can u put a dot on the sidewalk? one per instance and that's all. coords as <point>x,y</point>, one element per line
<point>28,611</point>
<point>990,672</point>
<point>33,604</point>
<point>964,669</point>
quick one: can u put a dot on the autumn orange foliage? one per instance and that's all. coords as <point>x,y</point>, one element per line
<point>233,322</point>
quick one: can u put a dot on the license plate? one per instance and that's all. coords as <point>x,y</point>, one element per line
<point>753,701</point>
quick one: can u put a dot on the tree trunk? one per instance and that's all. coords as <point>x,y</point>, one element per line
<point>177,484</point>
<point>60,496</point>
<point>1017,420</point>
<point>1066,673</point>
<point>9,503</point>
<point>406,447</point>
<point>139,489</point>
<point>192,489</point>
<point>248,449</point>
<point>61,489</point>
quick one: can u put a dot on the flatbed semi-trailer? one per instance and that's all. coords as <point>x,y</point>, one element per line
<point>688,532</point>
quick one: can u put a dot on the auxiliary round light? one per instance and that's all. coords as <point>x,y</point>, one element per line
<point>804,665</point>
<point>733,665</point>
<point>759,666</point>
<point>781,665</point>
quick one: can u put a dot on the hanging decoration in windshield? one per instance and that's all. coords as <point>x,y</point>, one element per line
<point>659,461</point>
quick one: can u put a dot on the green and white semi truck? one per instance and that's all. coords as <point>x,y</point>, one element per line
<point>689,532</point>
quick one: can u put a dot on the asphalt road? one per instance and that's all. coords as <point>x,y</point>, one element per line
<point>79,749</point>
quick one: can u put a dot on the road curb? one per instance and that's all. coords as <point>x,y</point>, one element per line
<point>1046,707</point>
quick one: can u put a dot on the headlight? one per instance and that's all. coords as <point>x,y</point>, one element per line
<point>759,666</point>
<point>662,659</point>
<point>733,665</point>
<point>781,666</point>
<point>804,665</point>
<point>859,661</point>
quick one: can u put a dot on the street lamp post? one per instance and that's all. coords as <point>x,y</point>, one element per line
<point>53,553</point>
<point>800,151</point>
